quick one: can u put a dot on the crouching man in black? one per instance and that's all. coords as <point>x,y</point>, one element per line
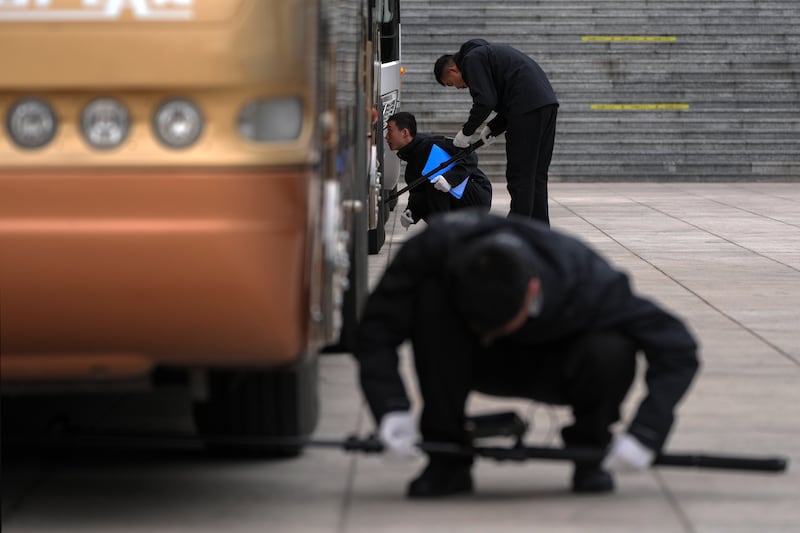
<point>433,196</point>
<point>509,307</point>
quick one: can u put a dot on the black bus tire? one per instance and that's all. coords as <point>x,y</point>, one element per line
<point>280,404</point>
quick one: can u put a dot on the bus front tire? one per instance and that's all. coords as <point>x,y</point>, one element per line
<point>257,404</point>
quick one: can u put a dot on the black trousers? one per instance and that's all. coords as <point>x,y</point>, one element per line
<point>426,201</point>
<point>591,372</point>
<point>530,138</point>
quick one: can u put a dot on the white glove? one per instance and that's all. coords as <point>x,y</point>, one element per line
<point>461,140</point>
<point>627,454</point>
<point>398,433</point>
<point>486,136</point>
<point>440,184</point>
<point>406,218</point>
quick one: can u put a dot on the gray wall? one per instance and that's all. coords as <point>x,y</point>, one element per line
<point>735,63</point>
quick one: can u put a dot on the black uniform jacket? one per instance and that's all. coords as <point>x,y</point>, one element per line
<point>581,292</point>
<point>502,79</point>
<point>416,153</point>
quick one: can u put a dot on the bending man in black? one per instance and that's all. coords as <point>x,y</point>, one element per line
<point>434,196</point>
<point>508,307</point>
<point>505,80</point>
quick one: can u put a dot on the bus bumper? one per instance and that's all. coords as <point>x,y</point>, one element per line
<point>106,275</point>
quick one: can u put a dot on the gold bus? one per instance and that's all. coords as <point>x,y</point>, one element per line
<point>186,188</point>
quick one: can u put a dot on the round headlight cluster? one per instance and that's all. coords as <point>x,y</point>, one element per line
<point>178,123</point>
<point>105,123</point>
<point>32,123</point>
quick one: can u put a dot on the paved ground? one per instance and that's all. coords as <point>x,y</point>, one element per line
<point>726,257</point>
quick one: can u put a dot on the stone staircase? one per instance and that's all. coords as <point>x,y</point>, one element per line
<point>672,90</point>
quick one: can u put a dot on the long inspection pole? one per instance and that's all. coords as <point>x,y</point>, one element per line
<point>458,157</point>
<point>698,460</point>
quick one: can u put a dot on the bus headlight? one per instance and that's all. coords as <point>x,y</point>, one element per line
<point>105,123</point>
<point>32,123</point>
<point>178,123</point>
<point>279,119</point>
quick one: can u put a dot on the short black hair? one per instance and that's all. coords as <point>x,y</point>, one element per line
<point>489,277</point>
<point>404,120</point>
<point>442,63</point>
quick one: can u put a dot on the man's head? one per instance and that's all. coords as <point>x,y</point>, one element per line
<point>401,128</point>
<point>493,282</point>
<point>447,72</point>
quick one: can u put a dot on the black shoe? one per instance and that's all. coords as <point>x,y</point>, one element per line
<point>591,479</point>
<point>441,479</point>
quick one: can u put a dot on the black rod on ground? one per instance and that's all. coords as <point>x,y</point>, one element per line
<point>524,453</point>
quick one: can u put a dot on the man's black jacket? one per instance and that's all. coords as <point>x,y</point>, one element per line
<point>416,154</point>
<point>581,292</point>
<point>502,79</point>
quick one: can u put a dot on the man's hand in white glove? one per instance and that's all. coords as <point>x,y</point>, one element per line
<point>398,433</point>
<point>441,184</point>
<point>461,140</point>
<point>627,454</point>
<point>406,218</point>
<point>486,136</point>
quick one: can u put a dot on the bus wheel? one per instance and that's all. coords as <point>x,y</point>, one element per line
<point>279,404</point>
<point>390,205</point>
<point>376,237</point>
